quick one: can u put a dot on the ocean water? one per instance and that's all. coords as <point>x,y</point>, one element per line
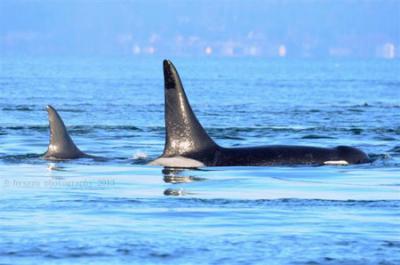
<point>120,211</point>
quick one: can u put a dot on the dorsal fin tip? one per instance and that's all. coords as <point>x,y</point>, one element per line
<point>166,62</point>
<point>171,76</point>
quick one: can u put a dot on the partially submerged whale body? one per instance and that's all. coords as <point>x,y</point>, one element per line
<point>188,145</point>
<point>61,146</point>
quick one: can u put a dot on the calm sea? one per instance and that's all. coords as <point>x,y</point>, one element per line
<point>121,211</point>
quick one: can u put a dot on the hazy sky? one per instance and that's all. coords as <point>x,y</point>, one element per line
<point>292,28</point>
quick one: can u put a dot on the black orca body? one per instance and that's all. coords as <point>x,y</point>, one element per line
<point>61,146</point>
<point>188,145</point>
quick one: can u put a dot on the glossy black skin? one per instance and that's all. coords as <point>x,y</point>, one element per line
<point>186,137</point>
<point>277,155</point>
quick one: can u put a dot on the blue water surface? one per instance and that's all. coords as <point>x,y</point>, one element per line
<point>121,211</point>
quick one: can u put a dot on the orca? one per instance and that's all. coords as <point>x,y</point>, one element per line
<point>61,146</point>
<point>188,145</point>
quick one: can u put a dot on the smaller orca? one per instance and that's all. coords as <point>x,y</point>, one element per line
<point>61,146</point>
<point>188,145</point>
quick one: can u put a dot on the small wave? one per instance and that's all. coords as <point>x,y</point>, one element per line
<point>105,201</point>
<point>356,131</point>
<point>266,130</point>
<point>392,244</point>
<point>22,252</point>
<point>70,110</point>
<point>43,251</point>
<point>378,105</point>
<point>181,201</point>
<point>379,157</point>
<point>19,158</point>
<point>28,108</point>
<point>197,202</point>
<point>229,137</point>
<point>140,155</point>
<point>19,108</point>
<point>395,149</point>
<point>74,128</point>
<point>314,136</point>
<point>84,128</point>
<point>27,127</point>
<point>385,138</point>
<point>355,110</point>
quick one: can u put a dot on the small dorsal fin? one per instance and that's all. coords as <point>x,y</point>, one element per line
<point>184,133</point>
<point>61,145</point>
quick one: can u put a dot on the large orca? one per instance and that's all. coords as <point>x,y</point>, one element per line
<point>61,146</point>
<point>188,145</point>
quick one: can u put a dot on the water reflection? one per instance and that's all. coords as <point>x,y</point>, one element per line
<point>175,192</point>
<point>178,176</point>
<point>52,166</point>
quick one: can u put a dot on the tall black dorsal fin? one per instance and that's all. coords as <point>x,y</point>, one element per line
<point>184,133</point>
<point>61,145</point>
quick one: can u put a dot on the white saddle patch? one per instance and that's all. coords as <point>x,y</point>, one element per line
<point>337,162</point>
<point>177,161</point>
